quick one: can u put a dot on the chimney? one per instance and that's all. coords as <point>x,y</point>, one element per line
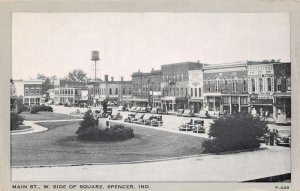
<point>112,79</point>
<point>122,78</point>
<point>106,78</point>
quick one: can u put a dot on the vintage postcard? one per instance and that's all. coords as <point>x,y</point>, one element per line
<point>139,99</point>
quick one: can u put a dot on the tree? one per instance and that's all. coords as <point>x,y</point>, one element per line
<point>41,76</point>
<point>76,75</point>
<point>88,122</point>
<point>46,85</point>
<point>235,132</point>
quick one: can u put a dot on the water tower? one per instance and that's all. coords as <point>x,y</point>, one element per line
<point>95,57</point>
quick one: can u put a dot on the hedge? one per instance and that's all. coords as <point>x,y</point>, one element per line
<point>36,109</point>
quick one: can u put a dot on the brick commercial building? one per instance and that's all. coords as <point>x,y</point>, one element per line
<point>146,88</point>
<point>70,92</point>
<point>116,92</point>
<point>175,84</point>
<point>196,90</point>
<point>282,89</point>
<point>225,87</point>
<point>30,90</point>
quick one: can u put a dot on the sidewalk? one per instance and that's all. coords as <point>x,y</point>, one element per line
<point>229,167</point>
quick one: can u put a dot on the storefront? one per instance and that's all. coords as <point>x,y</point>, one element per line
<point>196,105</point>
<point>282,104</point>
<point>263,107</point>
<point>169,103</point>
<point>139,102</point>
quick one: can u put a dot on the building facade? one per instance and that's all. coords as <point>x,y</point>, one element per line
<point>146,88</point>
<point>70,92</point>
<point>282,89</point>
<point>196,90</point>
<point>226,88</point>
<point>30,90</point>
<point>175,84</point>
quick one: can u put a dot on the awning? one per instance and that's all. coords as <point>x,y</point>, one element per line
<point>283,95</point>
<point>138,100</point>
<point>195,100</point>
<point>261,102</point>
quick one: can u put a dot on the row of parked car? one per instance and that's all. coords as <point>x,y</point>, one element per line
<point>144,119</point>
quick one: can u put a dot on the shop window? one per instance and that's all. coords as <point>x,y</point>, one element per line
<point>234,100</point>
<point>244,100</point>
<point>278,84</point>
<point>253,85</point>
<point>225,100</point>
<point>195,92</point>
<point>288,84</point>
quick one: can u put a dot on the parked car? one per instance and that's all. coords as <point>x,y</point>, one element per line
<point>186,126</point>
<point>97,112</point>
<point>147,119</point>
<point>137,109</point>
<point>283,137</point>
<point>132,109</point>
<point>137,118</point>
<point>154,110</point>
<point>121,108</point>
<point>130,117</point>
<point>143,110</point>
<point>198,126</point>
<point>187,113</point>
<point>118,116</point>
<point>162,110</point>
<point>179,112</point>
<point>204,114</point>
<point>156,121</point>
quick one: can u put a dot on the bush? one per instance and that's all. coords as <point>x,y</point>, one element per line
<point>235,132</point>
<point>88,122</point>
<point>15,121</point>
<point>36,109</point>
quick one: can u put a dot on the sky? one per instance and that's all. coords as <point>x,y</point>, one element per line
<point>57,43</point>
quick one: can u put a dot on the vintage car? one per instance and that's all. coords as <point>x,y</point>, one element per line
<point>118,116</point>
<point>187,113</point>
<point>156,121</point>
<point>97,112</point>
<point>121,108</point>
<point>143,110</point>
<point>179,112</point>
<point>154,110</point>
<point>283,137</point>
<point>204,114</point>
<point>132,109</point>
<point>137,118</point>
<point>130,117</point>
<point>198,126</point>
<point>137,109</point>
<point>186,126</point>
<point>147,119</point>
<point>162,110</point>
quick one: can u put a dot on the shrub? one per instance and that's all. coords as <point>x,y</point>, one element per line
<point>34,110</point>
<point>88,122</point>
<point>15,121</point>
<point>235,132</point>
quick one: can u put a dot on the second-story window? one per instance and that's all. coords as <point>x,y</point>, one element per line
<point>217,85</point>
<point>253,85</point>
<point>199,92</point>
<point>278,84</point>
<point>244,84</point>
<point>192,92</point>
<point>195,92</point>
<point>117,91</point>
<point>261,87</point>
<point>234,84</point>
<point>288,84</point>
<point>269,84</point>
<point>208,81</point>
<point>110,91</point>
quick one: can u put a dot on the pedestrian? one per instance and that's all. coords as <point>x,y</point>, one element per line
<point>267,137</point>
<point>272,137</point>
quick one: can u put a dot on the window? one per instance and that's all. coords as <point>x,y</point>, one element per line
<point>32,91</point>
<point>123,90</point>
<point>288,84</point>
<point>195,92</point>
<point>129,90</point>
<point>253,85</point>
<point>181,92</point>
<point>278,83</point>
<point>110,91</point>
<point>38,101</point>
<point>261,85</point>
<point>174,91</point>
<point>32,100</point>
<point>192,92</point>
<point>26,91</point>
<point>234,84</point>
<point>186,91</point>
<point>177,92</point>
<point>76,91</point>
<point>38,91</point>
<point>217,85</point>
<point>244,85</point>
<point>208,81</point>
<point>199,92</point>
<point>116,91</point>
<point>26,100</point>
<point>226,100</point>
<point>234,100</point>
<point>269,84</point>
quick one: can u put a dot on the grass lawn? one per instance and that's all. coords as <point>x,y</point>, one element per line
<point>59,145</point>
<point>43,115</point>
